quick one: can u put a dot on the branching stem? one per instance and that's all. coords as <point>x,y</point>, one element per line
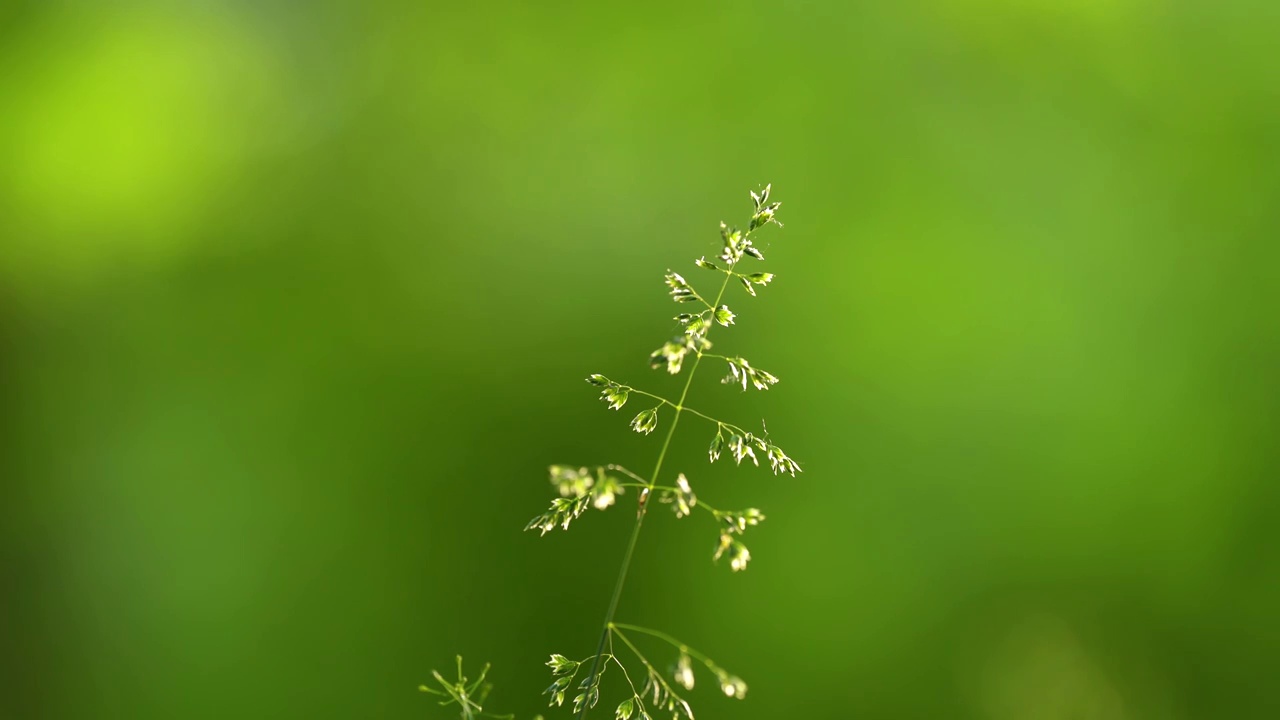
<point>644,507</point>
<point>613,629</point>
<point>628,473</point>
<point>681,407</point>
<point>668,488</point>
<point>675,643</point>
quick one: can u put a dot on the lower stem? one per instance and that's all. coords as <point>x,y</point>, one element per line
<point>635,537</point>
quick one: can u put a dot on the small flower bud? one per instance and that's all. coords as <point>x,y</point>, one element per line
<point>646,421</point>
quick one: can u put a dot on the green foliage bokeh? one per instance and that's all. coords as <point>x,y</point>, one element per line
<point>296,301</point>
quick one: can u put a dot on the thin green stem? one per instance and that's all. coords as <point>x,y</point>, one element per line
<point>668,488</point>
<point>635,532</point>
<point>708,418</point>
<point>626,472</point>
<point>674,642</point>
<point>654,675</point>
<point>680,406</point>
<point>729,271</point>
<point>704,416</point>
<point>613,629</point>
<point>701,299</point>
<point>634,692</point>
<point>655,397</point>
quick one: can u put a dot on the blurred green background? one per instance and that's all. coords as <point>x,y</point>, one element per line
<point>296,301</point>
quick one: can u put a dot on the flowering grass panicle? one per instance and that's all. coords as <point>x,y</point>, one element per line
<point>646,692</point>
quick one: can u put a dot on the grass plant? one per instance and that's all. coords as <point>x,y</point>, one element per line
<point>648,691</point>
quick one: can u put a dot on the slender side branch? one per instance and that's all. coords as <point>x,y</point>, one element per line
<point>679,406</point>
<point>672,642</point>
<point>731,685</point>
<point>626,472</point>
<point>673,490</point>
